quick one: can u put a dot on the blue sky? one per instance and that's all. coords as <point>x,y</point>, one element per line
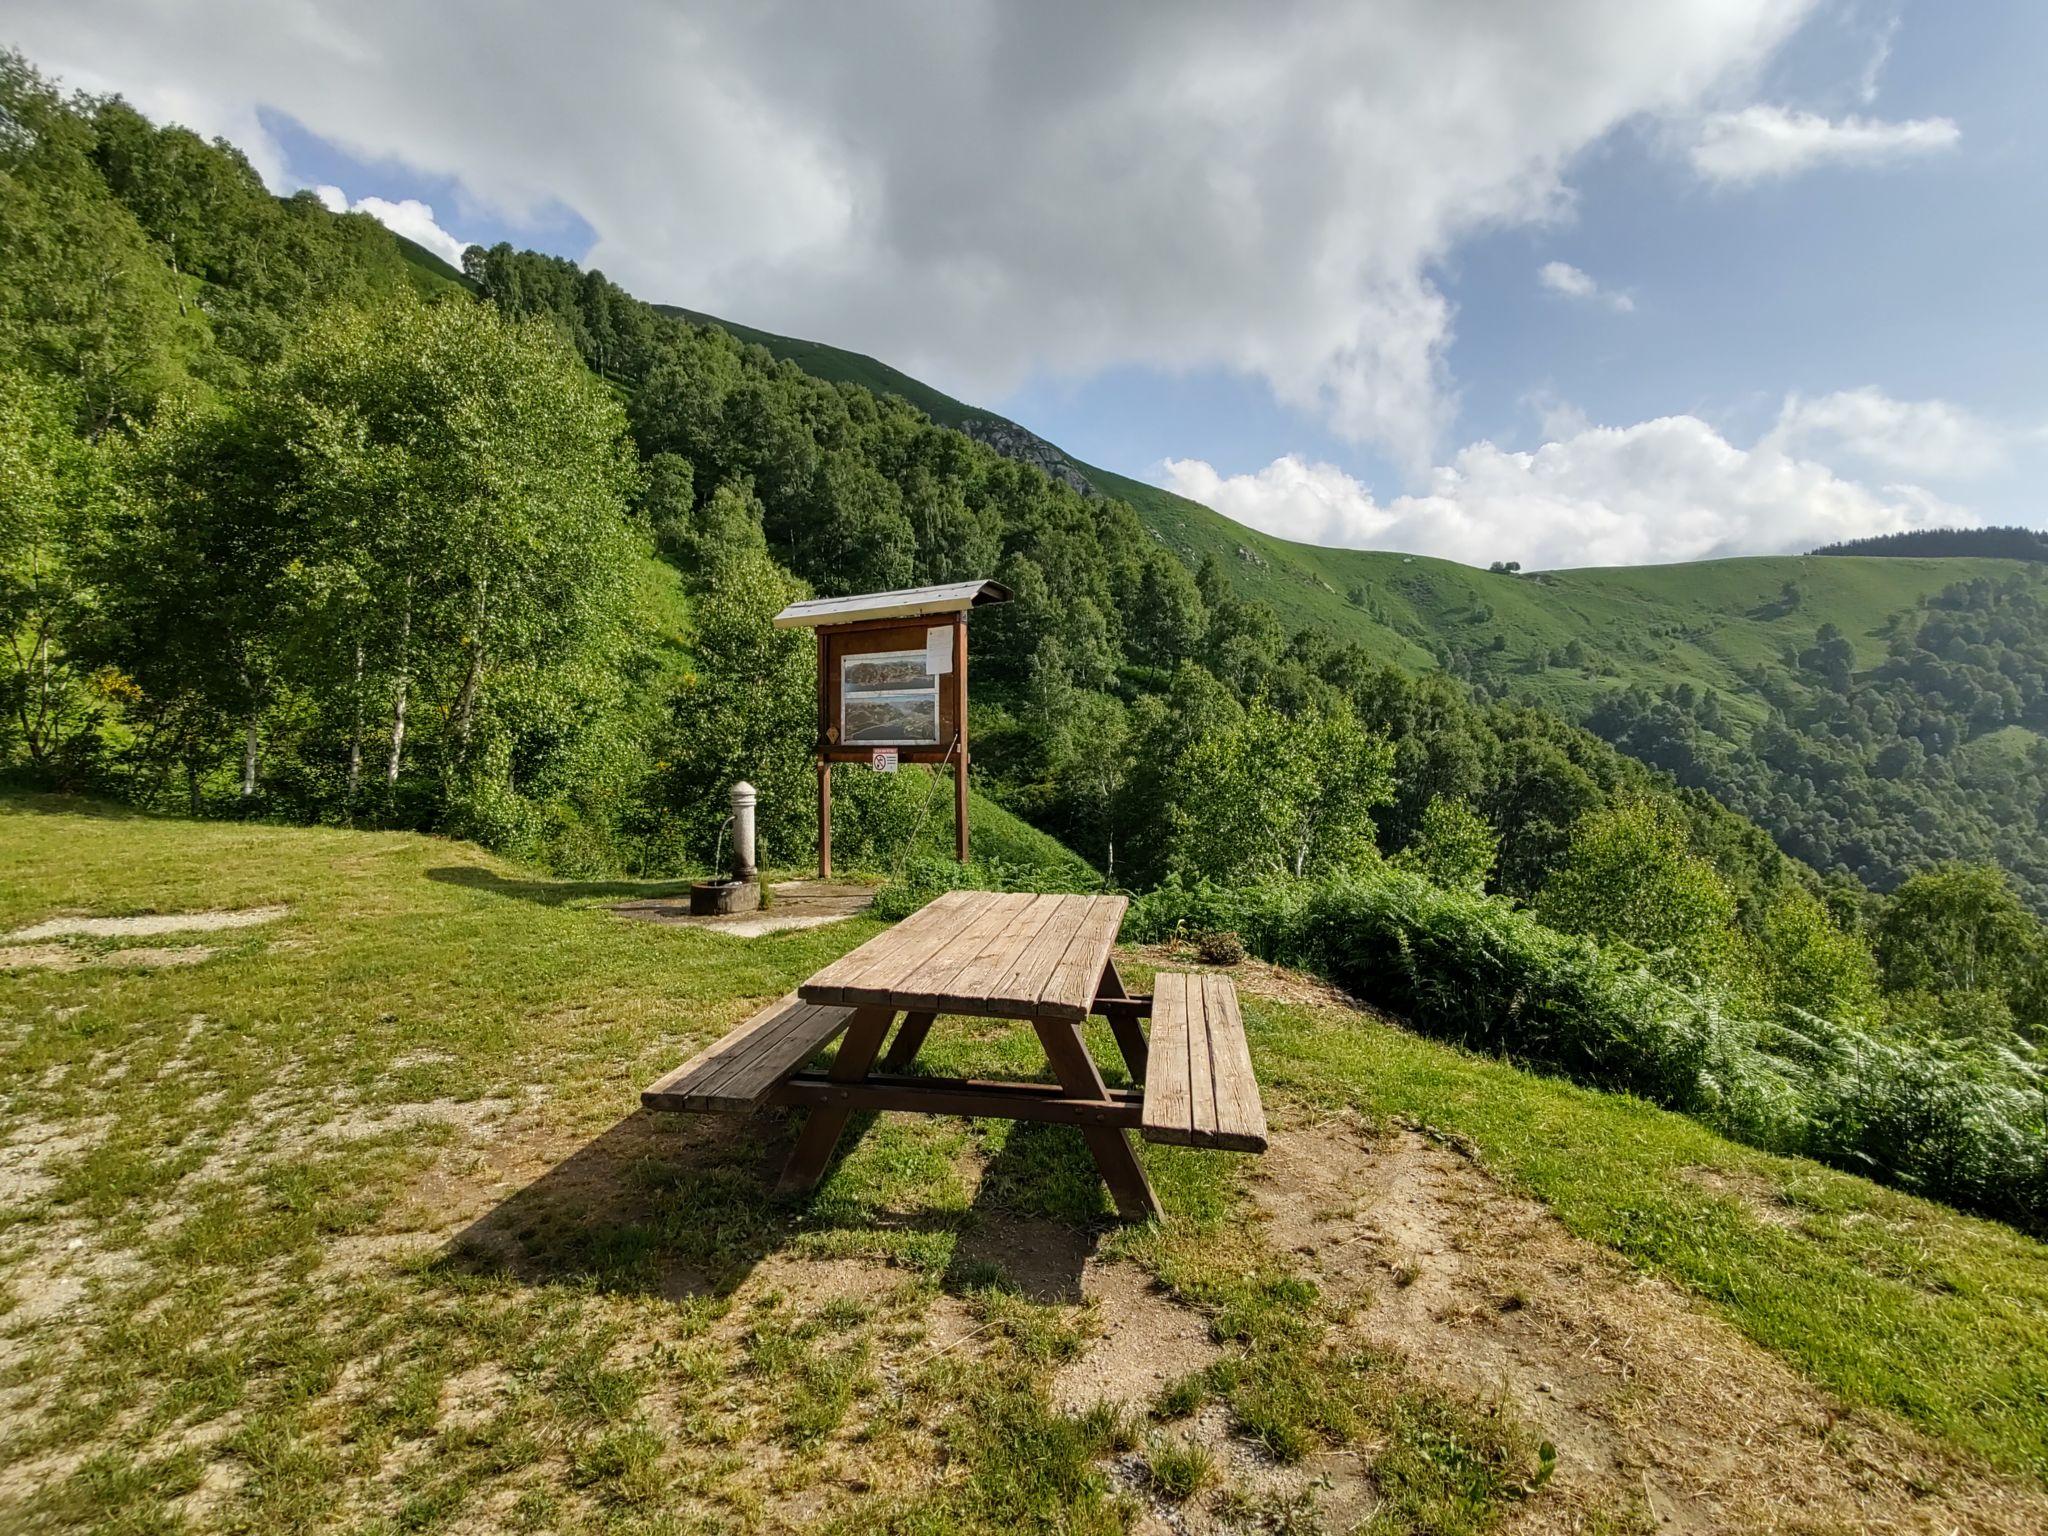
<point>1923,278</point>
<point>1593,282</point>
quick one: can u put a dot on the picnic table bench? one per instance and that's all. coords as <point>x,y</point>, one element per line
<point>1042,959</point>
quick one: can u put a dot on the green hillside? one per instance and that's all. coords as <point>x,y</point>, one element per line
<point>836,365</point>
<point>1688,667</point>
<point>431,273</point>
<point>1699,622</point>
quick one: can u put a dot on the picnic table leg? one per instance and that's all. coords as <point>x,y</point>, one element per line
<point>814,1143</point>
<point>1130,1038</point>
<point>1111,1145</point>
<point>909,1040</point>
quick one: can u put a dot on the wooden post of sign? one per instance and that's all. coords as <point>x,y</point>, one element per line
<point>824,818</point>
<point>960,736</point>
<point>824,766</point>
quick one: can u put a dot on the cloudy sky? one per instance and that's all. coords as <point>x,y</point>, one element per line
<point>1589,282</point>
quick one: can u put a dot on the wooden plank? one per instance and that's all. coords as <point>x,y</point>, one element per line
<point>1240,1116</point>
<point>918,938</point>
<point>970,987</point>
<point>856,961</point>
<point>1167,1085</point>
<point>729,1049</point>
<point>896,970</point>
<point>781,1052</point>
<point>1201,1076</point>
<point>1045,1102</point>
<point>741,1080</point>
<point>1071,987</point>
<point>1015,993</point>
<point>729,1073</point>
<point>991,930</point>
<point>1202,1091</point>
<point>912,939</point>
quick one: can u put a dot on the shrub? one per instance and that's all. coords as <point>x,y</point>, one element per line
<point>1959,1120</point>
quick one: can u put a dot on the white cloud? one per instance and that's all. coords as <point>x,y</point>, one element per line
<point>409,217</point>
<point>1669,489</point>
<point>987,190</point>
<point>415,220</point>
<point>1759,142</point>
<point>1562,277</point>
<point>1930,438</point>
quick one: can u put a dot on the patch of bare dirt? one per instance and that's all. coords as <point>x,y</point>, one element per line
<point>34,1148</point>
<point>1146,1341</point>
<point>1650,1399</point>
<point>60,957</point>
<point>146,925</point>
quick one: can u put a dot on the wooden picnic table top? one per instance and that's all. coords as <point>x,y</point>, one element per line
<point>1000,954</point>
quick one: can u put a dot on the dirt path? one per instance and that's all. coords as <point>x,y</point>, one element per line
<point>1653,1403</point>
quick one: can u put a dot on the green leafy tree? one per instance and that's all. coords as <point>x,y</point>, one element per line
<point>749,711</point>
<point>413,501</point>
<point>52,500</point>
<point>1961,928</point>
<point>1268,797</point>
<point>1455,846</point>
<point>1810,962</point>
<point>1630,875</point>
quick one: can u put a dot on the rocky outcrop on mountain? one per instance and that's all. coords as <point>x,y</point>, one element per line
<point>1013,442</point>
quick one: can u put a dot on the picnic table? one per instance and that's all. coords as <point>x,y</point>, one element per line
<point>1044,960</point>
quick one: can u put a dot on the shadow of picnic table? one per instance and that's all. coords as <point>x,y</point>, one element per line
<point>554,893</point>
<point>679,1206</point>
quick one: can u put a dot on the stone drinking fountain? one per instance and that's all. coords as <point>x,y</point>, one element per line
<point>741,890</point>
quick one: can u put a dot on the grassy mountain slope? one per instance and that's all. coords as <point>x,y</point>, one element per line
<point>430,272</point>
<point>838,366</point>
<point>1699,622</point>
<point>357,1221</point>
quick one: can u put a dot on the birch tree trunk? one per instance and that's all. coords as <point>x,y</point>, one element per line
<point>249,758</point>
<point>401,686</point>
<point>355,738</point>
<point>472,680</point>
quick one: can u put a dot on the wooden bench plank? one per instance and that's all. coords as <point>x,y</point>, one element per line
<point>735,1073</point>
<point>1166,1073</point>
<point>1200,1090</point>
<point>1238,1105</point>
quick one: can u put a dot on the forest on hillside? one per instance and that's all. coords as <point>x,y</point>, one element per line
<point>2004,543</point>
<point>1940,752</point>
<point>295,527</point>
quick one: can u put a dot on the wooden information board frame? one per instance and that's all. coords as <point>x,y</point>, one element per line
<point>896,626</point>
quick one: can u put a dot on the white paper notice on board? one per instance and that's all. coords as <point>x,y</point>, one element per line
<point>938,650</point>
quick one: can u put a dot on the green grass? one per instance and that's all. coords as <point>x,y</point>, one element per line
<point>358,1225</point>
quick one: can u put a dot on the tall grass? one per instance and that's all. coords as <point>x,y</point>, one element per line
<point>1965,1122</point>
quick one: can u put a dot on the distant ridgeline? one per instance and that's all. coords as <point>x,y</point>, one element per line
<point>2007,543</point>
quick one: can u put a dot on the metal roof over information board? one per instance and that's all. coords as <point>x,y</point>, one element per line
<point>910,603</point>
